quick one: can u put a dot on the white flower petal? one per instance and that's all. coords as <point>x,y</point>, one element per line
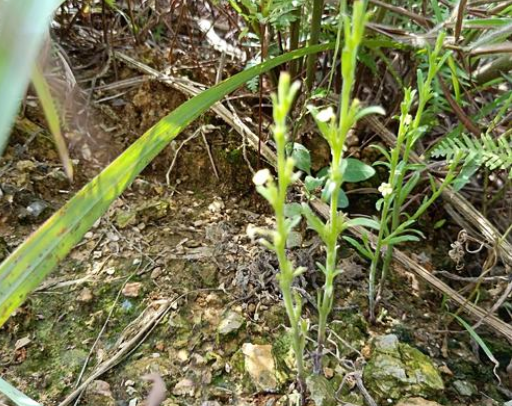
<point>261,177</point>
<point>385,189</point>
<point>325,115</point>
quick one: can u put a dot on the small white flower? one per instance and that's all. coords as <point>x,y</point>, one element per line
<point>385,189</point>
<point>408,119</point>
<point>325,115</point>
<point>251,231</point>
<point>261,177</point>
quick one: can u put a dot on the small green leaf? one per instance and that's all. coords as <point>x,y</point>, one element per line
<point>323,172</point>
<point>379,203</point>
<point>403,238</point>
<point>468,170</point>
<point>302,158</point>
<point>291,223</point>
<point>382,150</point>
<point>369,110</point>
<point>312,183</point>
<point>439,224</point>
<point>357,171</point>
<point>364,222</point>
<point>342,200</point>
<point>313,221</point>
<point>358,246</point>
<point>268,193</point>
<point>292,209</point>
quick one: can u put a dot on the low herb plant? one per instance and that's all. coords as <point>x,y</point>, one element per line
<point>275,193</point>
<point>334,129</point>
<point>396,226</point>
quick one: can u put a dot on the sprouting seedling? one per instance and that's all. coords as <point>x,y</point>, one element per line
<point>275,193</point>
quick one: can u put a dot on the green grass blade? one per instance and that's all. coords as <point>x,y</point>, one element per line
<point>23,27</point>
<point>52,117</point>
<point>27,266</point>
<point>15,395</point>
<point>481,343</point>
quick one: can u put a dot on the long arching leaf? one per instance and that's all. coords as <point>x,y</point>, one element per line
<point>27,266</point>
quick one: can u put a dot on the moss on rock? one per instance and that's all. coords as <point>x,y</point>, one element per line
<point>396,370</point>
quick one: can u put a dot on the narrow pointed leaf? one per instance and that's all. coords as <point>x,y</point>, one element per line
<point>27,266</point>
<point>52,117</point>
<point>15,395</point>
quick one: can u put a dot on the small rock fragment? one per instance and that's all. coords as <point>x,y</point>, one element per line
<point>85,295</point>
<point>22,342</point>
<point>183,355</point>
<point>185,387</point>
<point>445,370</point>
<point>132,289</point>
<point>387,343</point>
<point>417,402</point>
<point>216,206</point>
<point>328,372</point>
<point>210,403</point>
<point>465,388</point>
<point>99,388</point>
<point>230,323</point>
<point>321,390</point>
<point>259,364</point>
<point>157,272</point>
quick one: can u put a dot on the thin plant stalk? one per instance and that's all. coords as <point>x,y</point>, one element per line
<point>450,177</point>
<point>396,190</point>
<point>353,36</point>
<point>276,196</point>
<point>425,94</point>
<point>293,305</point>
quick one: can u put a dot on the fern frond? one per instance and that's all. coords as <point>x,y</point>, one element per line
<point>253,84</point>
<point>493,153</point>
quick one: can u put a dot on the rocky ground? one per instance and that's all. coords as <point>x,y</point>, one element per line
<point>171,259</point>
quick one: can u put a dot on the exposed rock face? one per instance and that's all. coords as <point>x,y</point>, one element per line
<point>396,370</point>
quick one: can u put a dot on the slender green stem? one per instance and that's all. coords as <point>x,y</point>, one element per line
<point>353,36</point>
<point>407,135</point>
<point>276,195</point>
<point>375,262</point>
<point>450,176</point>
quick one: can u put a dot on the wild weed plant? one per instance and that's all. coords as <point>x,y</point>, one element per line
<point>334,129</point>
<point>396,225</point>
<point>275,194</point>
